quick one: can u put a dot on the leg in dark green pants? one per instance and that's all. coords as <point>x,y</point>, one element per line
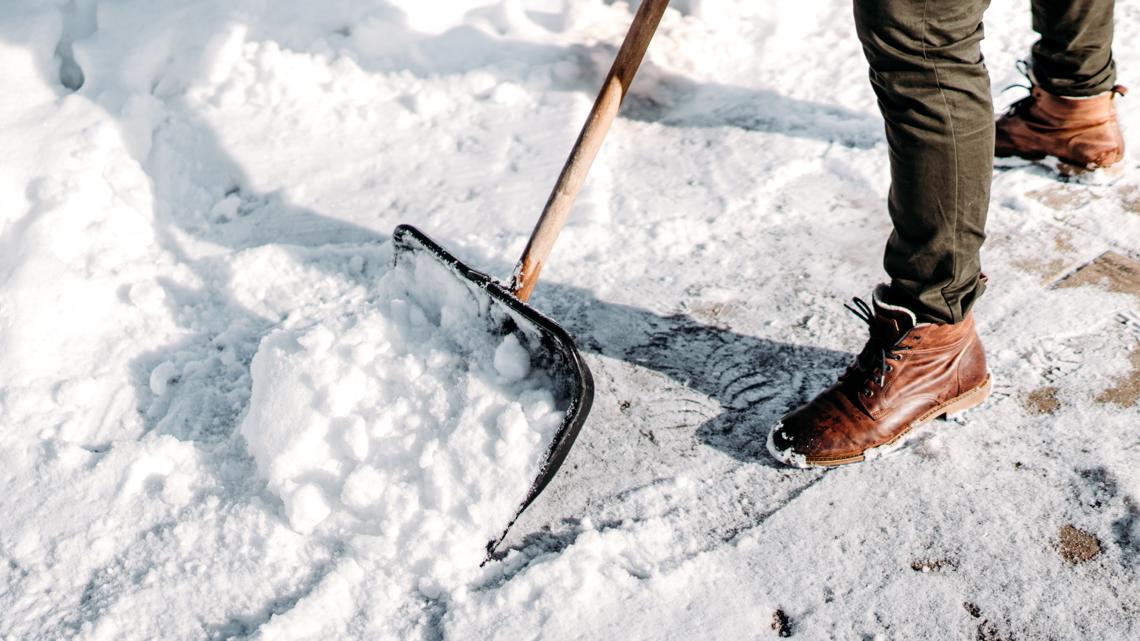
<point>1074,55</point>
<point>934,94</point>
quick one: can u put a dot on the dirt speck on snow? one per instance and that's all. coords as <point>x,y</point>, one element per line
<point>987,631</point>
<point>781,623</point>
<point>933,565</point>
<point>1075,545</point>
<point>1063,241</point>
<point>1042,401</point>
<point>1126,391</point>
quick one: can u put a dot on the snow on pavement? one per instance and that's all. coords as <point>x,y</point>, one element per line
<point>198,195</point>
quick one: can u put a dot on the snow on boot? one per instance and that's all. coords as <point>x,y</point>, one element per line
<point>1082,132</point>
<point>908,374</point>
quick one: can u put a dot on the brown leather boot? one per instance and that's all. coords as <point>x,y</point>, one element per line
<point>1082,132</point>
<point>908,374</point>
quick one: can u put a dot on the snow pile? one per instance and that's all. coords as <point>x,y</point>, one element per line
<point>406,419</point>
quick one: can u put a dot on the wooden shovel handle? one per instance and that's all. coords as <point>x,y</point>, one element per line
<point>586,147</point>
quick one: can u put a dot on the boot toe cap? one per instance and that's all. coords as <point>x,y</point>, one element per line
<point>812,436</point>
<point>782,447</point>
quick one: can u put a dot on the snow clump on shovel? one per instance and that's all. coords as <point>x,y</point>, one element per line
<point>408,420</point>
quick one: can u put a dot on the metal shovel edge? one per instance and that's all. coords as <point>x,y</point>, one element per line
<point>556,347</point>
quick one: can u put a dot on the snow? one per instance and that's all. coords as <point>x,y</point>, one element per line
<point>161,376</point>
<point>406,418</point>
<point>199,425</point>
<point>512,361</point>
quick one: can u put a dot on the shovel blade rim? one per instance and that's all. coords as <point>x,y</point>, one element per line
<point>406,239</point>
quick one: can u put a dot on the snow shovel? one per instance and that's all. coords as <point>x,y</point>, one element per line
<point>548,343</point>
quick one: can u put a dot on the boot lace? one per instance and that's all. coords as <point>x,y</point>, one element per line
<point>1020,105</point>
<point>872,364</point>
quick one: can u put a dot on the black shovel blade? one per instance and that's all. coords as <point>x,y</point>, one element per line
<point>551,348</point>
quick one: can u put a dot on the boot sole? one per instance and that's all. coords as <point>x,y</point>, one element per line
<point>1066,168</point>
<point>951,408</point>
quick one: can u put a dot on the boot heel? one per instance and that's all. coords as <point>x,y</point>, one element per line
<point>968,401</point>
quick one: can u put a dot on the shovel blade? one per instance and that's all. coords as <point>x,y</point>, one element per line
<point>550,346</point>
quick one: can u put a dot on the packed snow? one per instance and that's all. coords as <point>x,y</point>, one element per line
<point>409,418</point>
<point>224,414</point>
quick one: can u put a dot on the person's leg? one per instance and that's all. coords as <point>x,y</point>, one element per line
<point>923,357</point>
<point>1073,58</point>
<point>1069,112</point>
<point>934,94</point>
